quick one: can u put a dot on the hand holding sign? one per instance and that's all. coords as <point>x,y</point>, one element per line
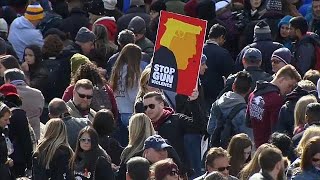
<point>194,95</point>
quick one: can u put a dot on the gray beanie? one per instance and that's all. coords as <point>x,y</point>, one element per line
<point>85,35</point>
<point>262,28</point>
<point>137,25</point>
<point>283,54</point>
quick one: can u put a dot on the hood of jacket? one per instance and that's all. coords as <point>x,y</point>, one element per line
<point>230,99</point>
<point>262,37</point>
<point>264,87</point>
<point>296,94</point>
<point>23,23</point>
<point>167,111</point>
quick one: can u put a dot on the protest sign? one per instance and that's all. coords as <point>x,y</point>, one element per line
<point>177,54</point>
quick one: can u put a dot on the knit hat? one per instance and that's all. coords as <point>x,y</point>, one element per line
<point>261,28</point>
<point>8,90</point>
<point>221,5</point>
<point>157,6</point>
<point>253,54</point>
<point>77,60</point>
<point>3,25</point>
<point>284,21</point>
<point>137,25</point>
<point>109,4</point>
<point>137,3</point>
<point>34,12</point>
<point>96,8</point>
<point>283,54</point>
<point>274,5</point>
<point>85,35</point>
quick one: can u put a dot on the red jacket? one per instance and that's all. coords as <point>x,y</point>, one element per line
<point>263,111</point>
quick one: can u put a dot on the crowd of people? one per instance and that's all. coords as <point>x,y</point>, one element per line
<point>75,100</point>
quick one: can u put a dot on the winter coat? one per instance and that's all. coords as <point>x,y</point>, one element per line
<point>226,103</point>
<point>4,168</point>
<point>74,125</point>
<point>19,135</point>
<point>74,111</point>
<point>304,53</point>
<point>77,19</point>
<point>256,74</point>
<point>285,123</point>
<point>32,103</point>
<point>264,43</point>
<point>146,45</point>
<point>68,94</point>
<point>112,147</point>
<point>173,126</point>
<point>212,81</point>
<point>23,33</point>
<point>263,110</point>
<point>38,77</point>
<point>59,166</point>
<point>311,173</point>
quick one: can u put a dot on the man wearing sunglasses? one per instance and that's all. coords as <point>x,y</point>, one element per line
<point>217,159</point>
<point>80,103</point>
<point>173,126</point>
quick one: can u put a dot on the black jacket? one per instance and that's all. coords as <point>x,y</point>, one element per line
<point>19,135</point>
<point>264,43</point>
<point>220,63</point>
<point>112,147</point>
<point>39,77</point>
<point>256,73</point>
<point>59,166</point>
<point>4,169</point>
<point>285,123</point>
<point>175,125</point>
<point>77,19</point>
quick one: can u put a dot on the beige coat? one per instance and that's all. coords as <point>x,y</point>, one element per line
<point>74,112</point>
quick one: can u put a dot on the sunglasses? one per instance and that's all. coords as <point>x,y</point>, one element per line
<point>85,140</point>
<point>84,96</point>
<point>223,168</point>
<point>315,159</point>
<point>151,106</point>
<point>173,173</point>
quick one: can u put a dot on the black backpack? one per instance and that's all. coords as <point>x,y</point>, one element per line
<point>224,129</point>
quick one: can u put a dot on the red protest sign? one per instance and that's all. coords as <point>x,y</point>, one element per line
<point>178,50</point>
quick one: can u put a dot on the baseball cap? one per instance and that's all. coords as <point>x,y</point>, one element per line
<point>253,54</point>
<point>156,142</point>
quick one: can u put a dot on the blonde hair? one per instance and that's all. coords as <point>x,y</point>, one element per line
<point>300,109</point>
<point>253,166</point>
<point>55,136</point>
<point>310,132</point>
<point>140,128</point>
<point>144,78</point>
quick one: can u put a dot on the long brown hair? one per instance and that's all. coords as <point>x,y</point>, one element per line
<point>130,55</point>
<point>236,148</point>
<point>312,148</point>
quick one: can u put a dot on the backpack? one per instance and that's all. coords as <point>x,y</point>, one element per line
<point>224,128</point>
<point>100,99</point>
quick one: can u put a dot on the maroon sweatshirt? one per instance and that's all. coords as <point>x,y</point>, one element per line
<point>263,110</point>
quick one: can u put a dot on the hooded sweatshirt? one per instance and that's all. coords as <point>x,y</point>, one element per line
<point>23,33</point>
<point>263,110</point>
<point>226,103</point>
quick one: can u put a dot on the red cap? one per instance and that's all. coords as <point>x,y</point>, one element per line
<point>8,89</point>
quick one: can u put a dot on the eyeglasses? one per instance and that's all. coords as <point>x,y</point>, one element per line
<point>84,95</point>
<point>223,168</point>
<point>315,159</point>
<point>83,140</point>
<point>173,173</point>
<point>151,106</point>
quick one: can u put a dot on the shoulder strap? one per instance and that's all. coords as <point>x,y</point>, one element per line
<point>235,111</point>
